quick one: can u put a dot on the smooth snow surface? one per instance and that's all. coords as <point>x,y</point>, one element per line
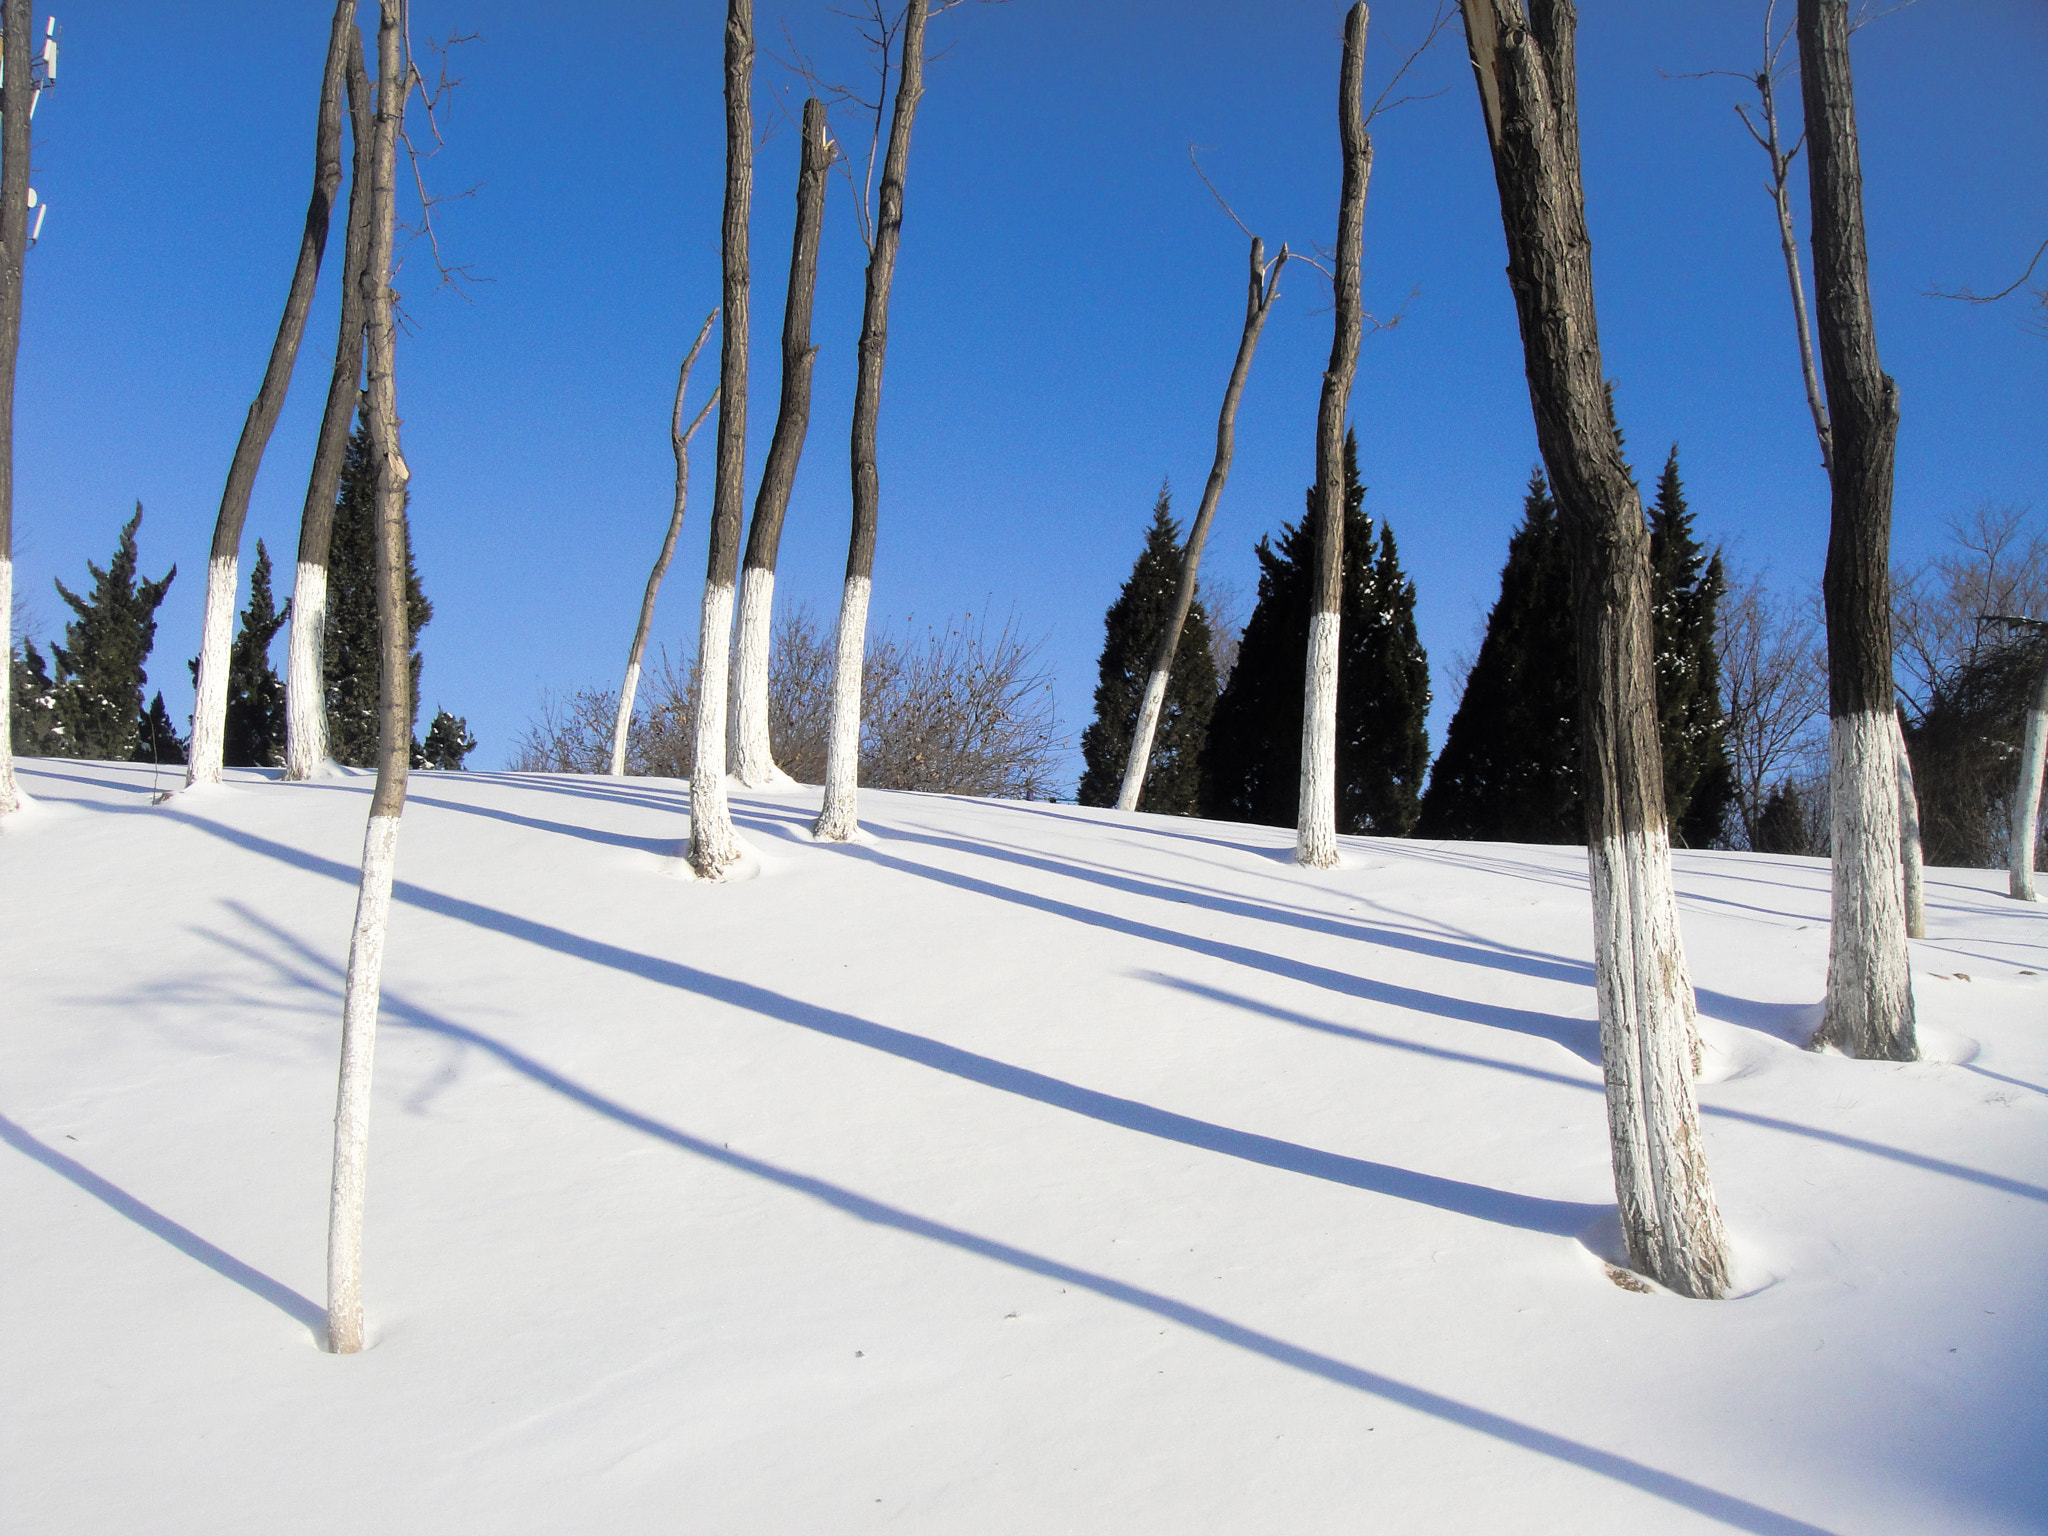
<point>1028,1169</point>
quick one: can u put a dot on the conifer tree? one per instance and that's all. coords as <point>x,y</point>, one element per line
<point>1686,587</point>
<point>99,675</point>
<point>351,660</point>
<point>32,719</point>
<point>159,741</point>
<point>1251,770</point>
<point>1132,629</point>
<point>448,743</point>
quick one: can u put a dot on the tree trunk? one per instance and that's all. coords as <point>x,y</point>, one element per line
<point>306,652</point>
<point>753,759</point>
<point>2026,800</point>
<point>394,720</point>
<point>1315,838</point>
<point>1915,873</point>
<point>714,845</point>
<point>679,440</point>
<point>1265,285</point>
<point>216,630</point>
<point>1869,1010</point>
<point>17,95</point>
<point>1528,92</point>
<point>839,819</point>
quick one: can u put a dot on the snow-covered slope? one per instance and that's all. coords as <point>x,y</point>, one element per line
<point>1029,1169</point>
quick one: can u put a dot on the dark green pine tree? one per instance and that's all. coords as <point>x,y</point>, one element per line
<point>97,690</point>
<point>160,744</point>
<point>32,711</point>
<point>1252,770</point>
<point>254,737</point>
<point>448,743</point>
<point>1509,770</point>
<point>1699,780</point>
<point>1131,634</point>
<point>351,663</point>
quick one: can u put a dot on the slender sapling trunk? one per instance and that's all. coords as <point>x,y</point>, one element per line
<point>1915,872</point>
<point>2026,800</point>
<point>17,94</point>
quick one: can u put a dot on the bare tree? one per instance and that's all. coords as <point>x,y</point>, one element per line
<point>1998,565</point>
<point>1869,1009</point>
<point>18,87</point>
<point>679,441</point>
<point>1774,676</point>
<point>395,79</point>
<point>753,760</point>
<point>210,702</point>
<point>1526,74</point>
<point>839,818</point>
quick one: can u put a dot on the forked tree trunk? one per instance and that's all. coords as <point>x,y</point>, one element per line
<point>1315,835</point>
<point>394,721</point>
<point>753,759</point>
<point>839,819</point>
<point>2026,799</point>
<point>1528,93</point>
<point>1915,871</point>
<point>714,845</point>
<point>216,630</point>
<point>1265,287</point>
<point>679,440</point>
<point>1869,1009</point>
<point>305,658</point>
<point>17,94</point>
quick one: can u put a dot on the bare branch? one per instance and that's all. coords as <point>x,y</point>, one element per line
<point>1221,202</point>
<point>1969,297</point>
<point>1444,12</point>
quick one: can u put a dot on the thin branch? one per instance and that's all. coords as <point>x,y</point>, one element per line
<point>1444,12</point>
<point>1991,298</point>
<point>1221,201</point>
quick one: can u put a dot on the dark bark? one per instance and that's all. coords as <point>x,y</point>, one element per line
<point>17,93</point>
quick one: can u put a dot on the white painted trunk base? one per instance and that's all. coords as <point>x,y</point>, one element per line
<point>622,723</point>
<point>352,1098</point>
<point>1915,872</point>
<point>714,845</point>
<point>1141,743</point>
<point>1648,1032</point>
<point>839,820</point>
<point>1315,838</point>
<point>210,690</point>
<point>10,797</point>
<point>1869,1010</point>
<point>752,753</point>
<point>2026,807</point>
<point>305,681</point>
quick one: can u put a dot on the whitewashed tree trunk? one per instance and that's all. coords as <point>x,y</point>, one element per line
<point>1265,287</point>
<point>1915,871</point>
<point>1870,987</point>
<point>10,797</point>
<point>2026,801</point>
<point>305,752</point>
<point>679,441</point>
<point>839,818</point>
<point>394,715</point>
<point>1315,836</point>
<point>216,629</point>
<point>753,756</point>
<point>1525,69</point>
<point>17,95</point>
<point>714,845</point>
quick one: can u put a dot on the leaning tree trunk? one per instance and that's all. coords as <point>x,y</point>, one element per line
<point>839,819</point>
<point>306,653</point>
<point>1915,873</point>
<point>394,720</point>
<point>1528,93</point>
<point>1869,1010</point>
<point>714,845</point>
<point>753,760</point>
<point>1315,837</point>
<point>2026,799</point>
<point>1265,287</point>
<point>210,688</point>
<point>17,94</point>
<point>679,440</point>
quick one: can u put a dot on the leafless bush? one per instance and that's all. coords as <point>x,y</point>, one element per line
<point>1999,565</point>
<point>1223,601</point>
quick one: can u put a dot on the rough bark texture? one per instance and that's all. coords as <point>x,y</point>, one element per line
<point>394,740</point>
<point>1315,837</point>
<point>17,94</point>
<point>1869,1011</point>
<point>753,761</point>
<point>679,440</point>
<point>1915,869</point>
<point>2026,803</point>
<point>210,702</point>
<point>839,819</point>
<point>1265,286</point>
<point>305,677</point>
<point>714,845</point>
<point>1527,86</point>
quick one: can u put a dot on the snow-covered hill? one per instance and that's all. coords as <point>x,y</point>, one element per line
<point>1029,1169</point>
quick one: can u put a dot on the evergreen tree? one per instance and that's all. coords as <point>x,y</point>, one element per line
<point>448,742</point>
<point>1699,779</point>
<point>254,737</point>
<point>33,712</point>
<point>97,691</point>
<point>351,661</point>
<point>1252,769</point>
<point>1132,629</point>
<point>1509,770</point>
<point>159,741</point>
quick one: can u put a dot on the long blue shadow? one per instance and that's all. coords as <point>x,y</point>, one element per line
<point>658,846</point>
<point>180,1237</point>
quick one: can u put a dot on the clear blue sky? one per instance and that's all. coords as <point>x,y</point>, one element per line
<point>1065,311</point>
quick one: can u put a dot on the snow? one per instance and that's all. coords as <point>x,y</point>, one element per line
<point>1025,1169</point>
